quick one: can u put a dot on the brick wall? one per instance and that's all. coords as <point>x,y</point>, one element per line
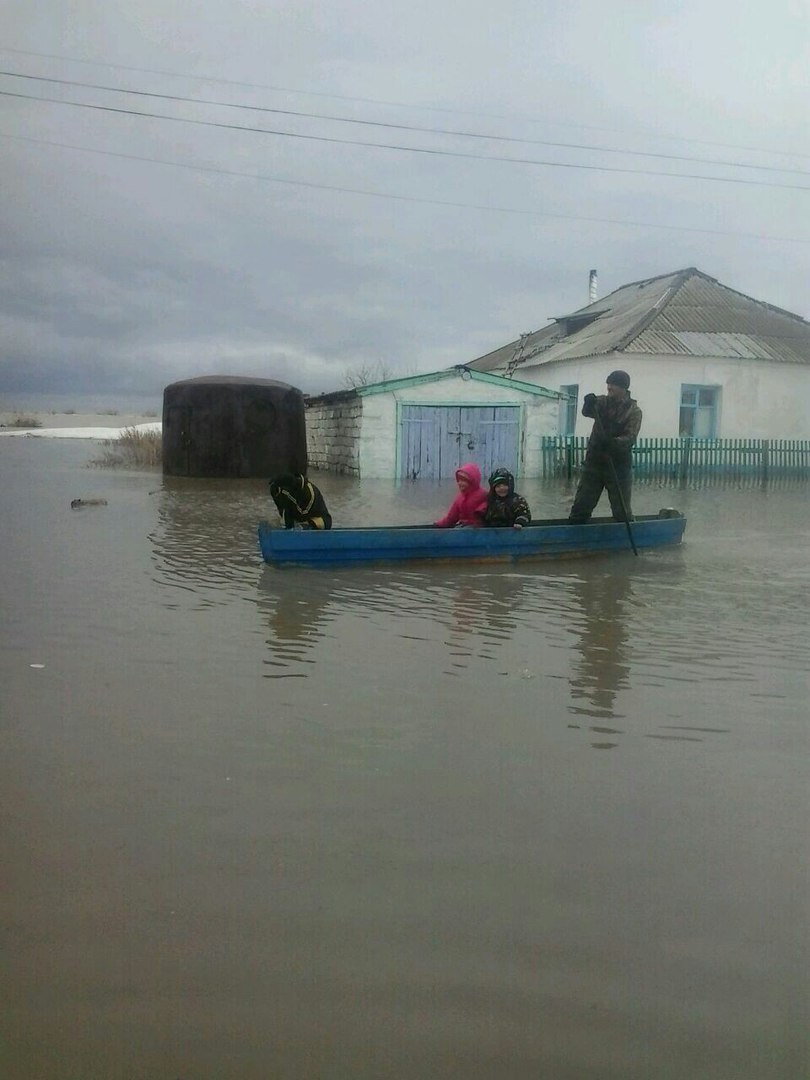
<point>333,436</point>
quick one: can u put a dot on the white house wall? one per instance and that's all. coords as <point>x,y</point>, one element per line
<point>377,450</point>
<point>758,399</point>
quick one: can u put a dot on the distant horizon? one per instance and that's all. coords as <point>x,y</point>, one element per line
<point>32,401</point>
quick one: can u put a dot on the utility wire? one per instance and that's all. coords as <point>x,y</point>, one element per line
<point>265,178</point>
<point>405,127</point>
<point>393,104</point>
<point>408,149</point>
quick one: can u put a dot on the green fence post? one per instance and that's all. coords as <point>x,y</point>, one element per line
<point>766,459</point>
<point>686,453</point>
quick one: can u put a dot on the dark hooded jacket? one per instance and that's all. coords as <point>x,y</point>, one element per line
<point>509,511</point>
<point>617,422</point>
<point>299,502</point>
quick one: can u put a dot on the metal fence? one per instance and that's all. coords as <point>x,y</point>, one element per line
<point>689,460</point>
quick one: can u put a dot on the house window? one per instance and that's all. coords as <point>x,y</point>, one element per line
<point>568,409</point>
<point>699,411</point>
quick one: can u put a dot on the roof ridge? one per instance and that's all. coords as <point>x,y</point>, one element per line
<point>691,272</point>
<point>680,278</point>
<point>685,273</point>
<point>763,303</point>
<point>687,270</point>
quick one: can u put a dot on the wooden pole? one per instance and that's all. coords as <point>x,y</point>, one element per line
<point>686,453</point>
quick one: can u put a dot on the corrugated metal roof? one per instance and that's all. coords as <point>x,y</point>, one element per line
<point>683,314</point>
<point>500,359</point>
<point>741,346</point>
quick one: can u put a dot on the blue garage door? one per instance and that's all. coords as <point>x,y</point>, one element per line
<point>436,439</point>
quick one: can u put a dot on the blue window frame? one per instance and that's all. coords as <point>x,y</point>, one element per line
<point>568,409</point>
<point>699,411</point>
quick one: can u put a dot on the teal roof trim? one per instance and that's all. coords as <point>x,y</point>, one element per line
<point>459,372</point>
<point>400,384</point>
<point>515,384</point>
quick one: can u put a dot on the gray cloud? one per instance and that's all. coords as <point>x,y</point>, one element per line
<point>121,275</point>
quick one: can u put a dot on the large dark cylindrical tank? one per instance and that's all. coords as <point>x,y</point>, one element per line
<point>224,425</point>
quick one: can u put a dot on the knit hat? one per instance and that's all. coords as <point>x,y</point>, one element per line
<point>619,378</point>
<point>501,476</point>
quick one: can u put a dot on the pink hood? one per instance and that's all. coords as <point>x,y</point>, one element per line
<point>468,507</point>
<point>471,472</point>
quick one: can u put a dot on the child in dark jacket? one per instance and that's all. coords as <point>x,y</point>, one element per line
<point>299,502</point>
<point>468,506</point>
<point>505,508</point>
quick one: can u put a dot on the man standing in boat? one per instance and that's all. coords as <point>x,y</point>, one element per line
<point>608,458</point>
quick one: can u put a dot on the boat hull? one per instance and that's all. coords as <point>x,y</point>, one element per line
<point>539,540</point>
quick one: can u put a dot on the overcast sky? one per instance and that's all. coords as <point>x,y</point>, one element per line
<point>120,274</point>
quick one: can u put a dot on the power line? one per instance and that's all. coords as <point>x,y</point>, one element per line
<point>264,178</point>
<point>408,149</point>
<point>404,127</point>
<point>395,104</point>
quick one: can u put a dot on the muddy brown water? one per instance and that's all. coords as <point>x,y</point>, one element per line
<point>478,822</point>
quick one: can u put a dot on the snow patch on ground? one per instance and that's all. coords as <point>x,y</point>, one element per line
<point>99,433</point>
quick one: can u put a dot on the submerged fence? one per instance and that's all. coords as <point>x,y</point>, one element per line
<point>689,460</point>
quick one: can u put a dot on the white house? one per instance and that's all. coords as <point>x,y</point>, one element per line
<point>426,426</point>
<point>704,360</point>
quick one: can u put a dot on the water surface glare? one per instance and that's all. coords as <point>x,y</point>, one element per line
<point>543,820</point>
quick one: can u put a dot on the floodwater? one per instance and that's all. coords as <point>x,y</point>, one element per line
<point>544,821</point>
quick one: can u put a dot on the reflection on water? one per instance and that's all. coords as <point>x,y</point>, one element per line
<point>600,626</point>
<point>621,625</point>
<point>469,611</point>
<point>201,542</point>
<point>352,823</point>
<point>297,615</point>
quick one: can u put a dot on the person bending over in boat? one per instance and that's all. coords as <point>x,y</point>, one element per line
<point>299,503</point>
<point>608,458</point>
<point>505,508</point>
<point>469,505</point>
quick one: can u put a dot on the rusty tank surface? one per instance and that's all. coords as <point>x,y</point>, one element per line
<point>227,425</point>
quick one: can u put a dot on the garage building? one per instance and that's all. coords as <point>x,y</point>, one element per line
<point>425,426</point>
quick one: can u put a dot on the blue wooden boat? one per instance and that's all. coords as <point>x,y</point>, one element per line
<point>540,540</point>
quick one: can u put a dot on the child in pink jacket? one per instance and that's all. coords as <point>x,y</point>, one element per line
<point>469,505</point>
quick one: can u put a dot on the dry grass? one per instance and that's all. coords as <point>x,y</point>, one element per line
<point>132,450</point>
<point>20,420</point>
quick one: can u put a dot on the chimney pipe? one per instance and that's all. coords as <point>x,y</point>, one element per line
<point>592,287</point>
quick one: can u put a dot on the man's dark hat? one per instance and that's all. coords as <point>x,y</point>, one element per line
<point>619,378</point>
